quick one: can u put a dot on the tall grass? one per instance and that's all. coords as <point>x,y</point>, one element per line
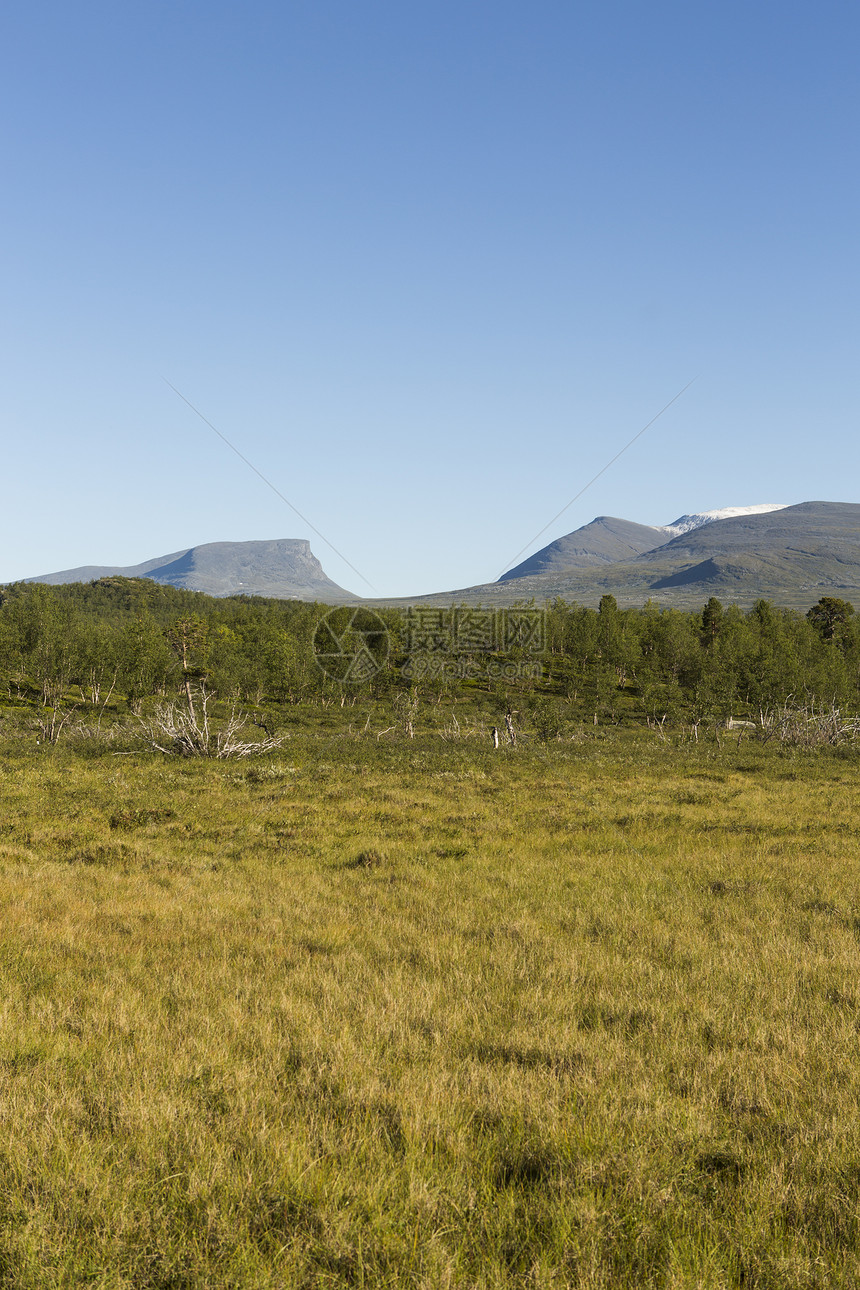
<point>422,1014</point>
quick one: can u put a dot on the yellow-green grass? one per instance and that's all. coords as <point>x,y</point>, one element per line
<point>430,1016</point>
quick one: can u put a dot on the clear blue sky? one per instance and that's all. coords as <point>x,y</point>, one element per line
<point>428,266</point>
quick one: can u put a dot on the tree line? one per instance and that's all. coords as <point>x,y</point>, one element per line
<point>125,641</point>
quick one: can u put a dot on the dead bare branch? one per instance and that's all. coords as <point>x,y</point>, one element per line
<point>190,731</point>
<point>807,726</point>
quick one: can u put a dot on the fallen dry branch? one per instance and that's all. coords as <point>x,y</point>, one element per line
<point>806,726</point>
<point>190,731</point>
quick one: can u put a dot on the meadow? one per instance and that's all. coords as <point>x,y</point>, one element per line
<point>379,1011</point>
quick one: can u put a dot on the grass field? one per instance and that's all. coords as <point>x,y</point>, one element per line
<point>424,1014</point>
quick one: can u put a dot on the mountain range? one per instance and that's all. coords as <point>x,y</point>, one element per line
<point>791,555</point>
<point>607,540</point>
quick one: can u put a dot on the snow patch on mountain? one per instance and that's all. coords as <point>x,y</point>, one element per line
<point>688,522</point>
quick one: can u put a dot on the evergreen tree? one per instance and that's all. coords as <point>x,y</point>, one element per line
<point>829,615</point>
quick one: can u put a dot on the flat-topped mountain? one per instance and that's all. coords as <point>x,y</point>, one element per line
<point>284,568</point>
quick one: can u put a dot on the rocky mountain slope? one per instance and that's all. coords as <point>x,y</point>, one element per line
<point>603,541</point>
<point>284,568</point>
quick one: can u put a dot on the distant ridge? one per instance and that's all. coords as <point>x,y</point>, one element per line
<point>791,555</point>
<point>283,568</point>
<point>607,539</point>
